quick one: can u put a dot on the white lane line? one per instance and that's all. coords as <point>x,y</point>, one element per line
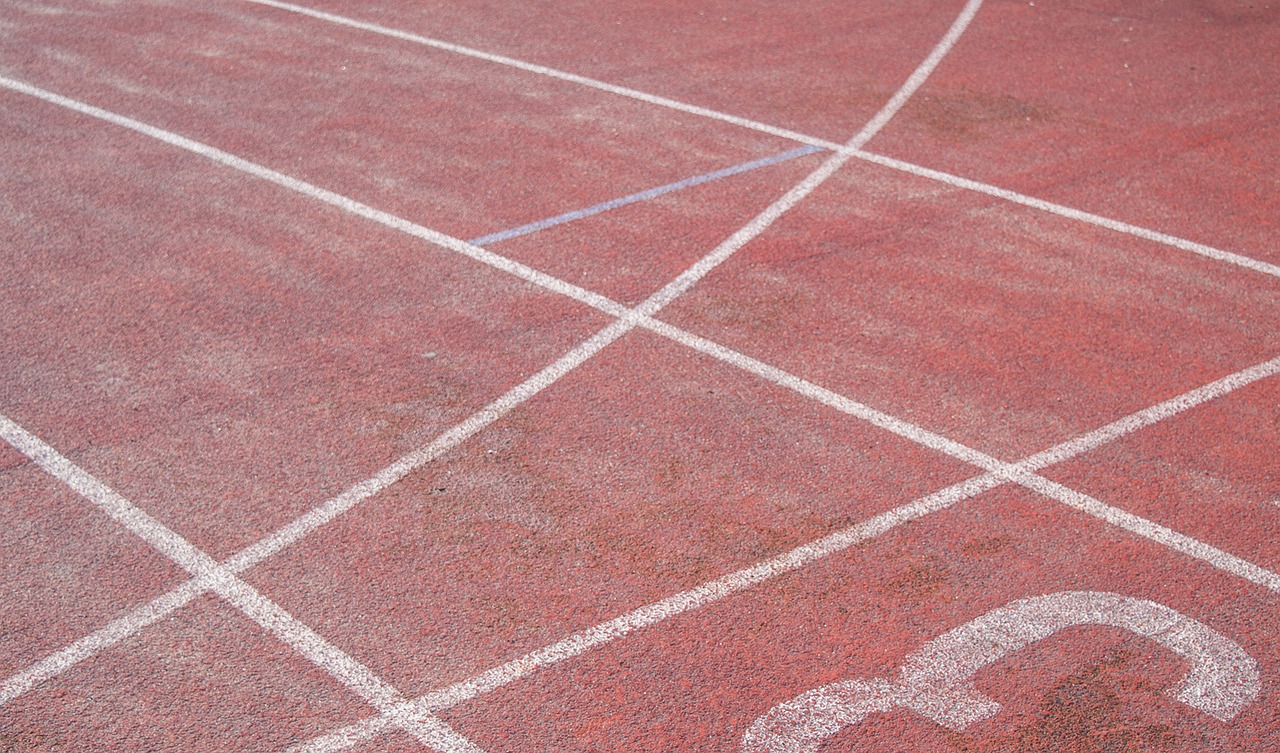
<point>326,196</point>
<point>627,320</point>
<point>1156,413</point>
<point>652,193</point>
<point>917,77</point>
<point>155,533</point>
<point>762,221</point>
<point>543,70</point>
<point>101,639</point>
<point>1166,239</point>
<point>1153,531</point>
<point>208,573</point>
<point>319,516</point>
<point>825,396</point>
<point>651,614</point>
<point>1089,218</point>
<point>700,596</point>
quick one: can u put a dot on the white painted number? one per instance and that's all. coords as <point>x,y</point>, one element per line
<point>937,680</point>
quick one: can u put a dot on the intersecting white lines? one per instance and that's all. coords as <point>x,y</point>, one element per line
<point>626,320</point>
<point>400,712</point>
<point>956,181</point>
<point>1021,473</point>
<point>213,576</point>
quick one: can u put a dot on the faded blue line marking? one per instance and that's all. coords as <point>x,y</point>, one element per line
<point>560,219</point>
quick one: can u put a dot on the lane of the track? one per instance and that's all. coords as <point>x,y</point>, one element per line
<point>226,367</point>
<point>698,682</point>
<point>1158,114</point>
<point>623,483</point>
<point>438,139</point>
<point>1003,328</point>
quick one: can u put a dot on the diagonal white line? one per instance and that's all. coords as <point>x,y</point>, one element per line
<point>627,320</point>
<point>101,639</point>
<point>895,164</point>
<point>1148,529</point>
<point>700,596</point>
<point>209,574</point>
<point>543,70</point>
<point>409,713</point>
<point>1088,218</point>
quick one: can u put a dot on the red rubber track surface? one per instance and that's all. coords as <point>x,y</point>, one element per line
<point>228,353</point>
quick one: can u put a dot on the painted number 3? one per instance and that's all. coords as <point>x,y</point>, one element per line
<point>937,681</point>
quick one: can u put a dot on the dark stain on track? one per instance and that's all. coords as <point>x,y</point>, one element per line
<point>962,115</point>
<point>1085,712</point>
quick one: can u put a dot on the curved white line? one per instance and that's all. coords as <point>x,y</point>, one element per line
<point>937,680</point>
<point>1182,244</point>
<point>1223,678</point>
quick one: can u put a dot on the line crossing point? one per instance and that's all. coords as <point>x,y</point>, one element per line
<point>209,575</point>
<point>1003,473</point>
<point>608,306</point>
<point>1021,473</point>
<point>1201,249</point>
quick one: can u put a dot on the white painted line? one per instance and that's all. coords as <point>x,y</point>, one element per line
<point>709,593</point>
<point>1149,416</point>
<point>916,79</point>
<point>208,573</point>
<point>348,736</point>
<point>1165,239</point>
<point>627,320</point>
<point>150,530</point>
<point>543,70</point>
<point>1240,260</point>
<point>344,203</point>
<point>1153,531</point>
<point>102,639</point>
<point>762,221</point>
<point>825,396</point>
<point>937,680</point>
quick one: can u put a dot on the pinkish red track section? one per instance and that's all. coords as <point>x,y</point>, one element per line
<point>228,354</point>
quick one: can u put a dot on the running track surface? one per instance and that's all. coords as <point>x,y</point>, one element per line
<point>635,376</point>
